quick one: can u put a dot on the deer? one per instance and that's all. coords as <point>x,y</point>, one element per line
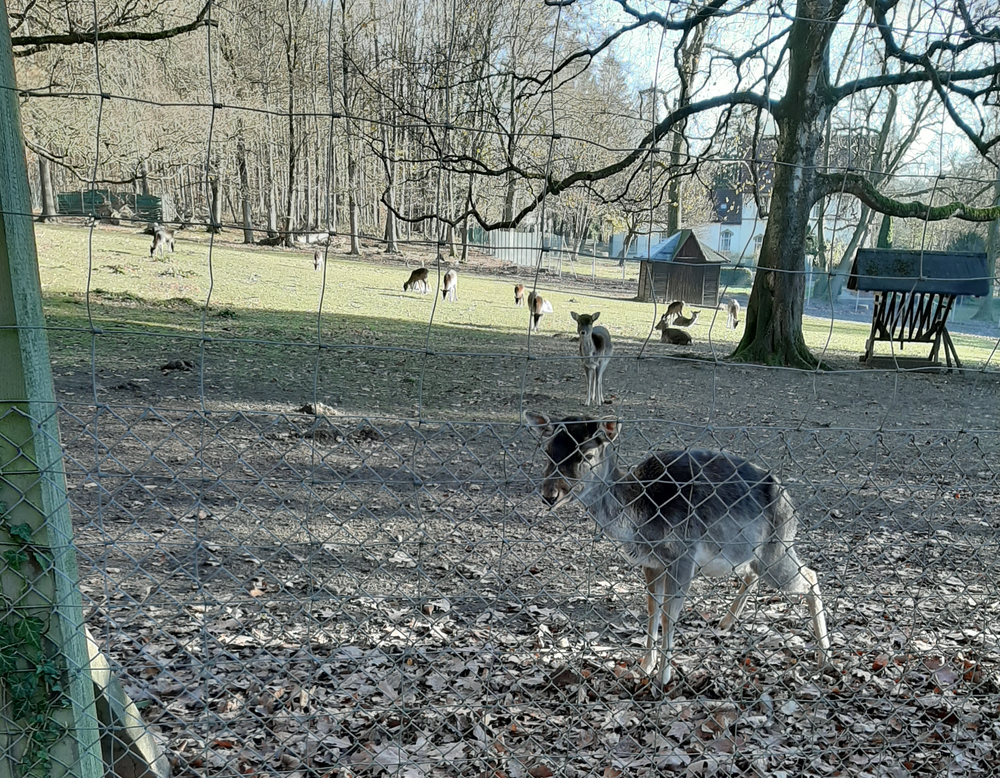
<point>161,237</point>
<point>732,314</point>
<point>417,281</point>
<point>672,335</point>
<point>676,308</point>
<point>518,295</point>
<point>675,337</point>
<point>537,305</point>
<point>449,289</point>
<point>595,351</point>
<point>678,515</point>
<point>686,321</point>
<point>317,261</point>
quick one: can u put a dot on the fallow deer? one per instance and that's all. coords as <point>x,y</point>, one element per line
<point>595,351</point>
<point>417,281</point>
<point>677,515</point>
<point>161,237</point>
<point>449,290</point>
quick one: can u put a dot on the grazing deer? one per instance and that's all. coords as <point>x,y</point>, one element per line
<point>537,305</point>
<point>732,314</point>
<point>686,321</point>
<point>518,295</point>
<point>317,261</point>
<point>450,286</point>
<point>595,351</point>
<point>676,308</point>
<point>161,237</point>
<point>679,514</point>
<point>417,281</point>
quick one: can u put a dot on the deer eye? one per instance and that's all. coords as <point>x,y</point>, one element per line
<point>591,455</point>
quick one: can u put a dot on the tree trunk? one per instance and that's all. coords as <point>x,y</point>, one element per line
<point>844,266</point>
<point>773,334</point>
<point>241,167</point>
<point>48,196</point>
<point>215,207</point>
<point>987,310</point>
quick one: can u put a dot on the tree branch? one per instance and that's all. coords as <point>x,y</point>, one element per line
<point>36,43</point>
<point>859,186</point>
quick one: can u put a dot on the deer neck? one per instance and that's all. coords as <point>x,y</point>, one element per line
<point>599,495</point>
<point>587,348</point>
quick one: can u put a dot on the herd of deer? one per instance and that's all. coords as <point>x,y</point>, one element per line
<point>676,515</point>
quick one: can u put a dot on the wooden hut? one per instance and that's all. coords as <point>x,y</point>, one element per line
<point>681,268</point>
<point>915,292</point>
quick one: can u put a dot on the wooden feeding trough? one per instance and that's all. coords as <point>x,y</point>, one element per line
<point>914,293</point>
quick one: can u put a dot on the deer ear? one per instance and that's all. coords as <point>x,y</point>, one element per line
<point>575,316</point>
<point>538,423</point>
<point>609,429</point>
<point>596,316</point>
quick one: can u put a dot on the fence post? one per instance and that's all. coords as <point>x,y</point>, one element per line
<point>48,722</point>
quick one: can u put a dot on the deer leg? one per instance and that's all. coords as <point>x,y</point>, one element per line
<point>648,662</point>
<point>806,582</point>
<point>738,604</point>
<point>674,586</point>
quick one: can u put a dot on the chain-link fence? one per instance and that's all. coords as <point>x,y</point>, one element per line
<point>307,511</point>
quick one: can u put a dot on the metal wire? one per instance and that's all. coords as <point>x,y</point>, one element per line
<point>320,548</point>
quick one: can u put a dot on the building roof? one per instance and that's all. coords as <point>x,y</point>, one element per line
<point>666,250</point>
<point>931,272</point>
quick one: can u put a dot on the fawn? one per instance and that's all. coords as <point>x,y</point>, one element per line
<point>595,351</point>
<point>677,515</point>
<point>417,281</point>
<point>450,286</point>
<point>161,237</point>
<point>518,295</point>
<point>317,261</point>
<point>732,314</point>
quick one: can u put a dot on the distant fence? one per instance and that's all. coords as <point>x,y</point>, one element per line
<point>101,202</point>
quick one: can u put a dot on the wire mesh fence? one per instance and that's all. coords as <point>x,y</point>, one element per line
<point>308,513</point>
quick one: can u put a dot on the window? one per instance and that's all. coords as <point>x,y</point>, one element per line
<point>726,241</point>
<point>758,241</point>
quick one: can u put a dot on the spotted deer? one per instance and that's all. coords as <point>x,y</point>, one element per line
<point>677,515</point>
<point>595,351</point>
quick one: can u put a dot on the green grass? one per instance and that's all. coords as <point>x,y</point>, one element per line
<point>267,311</point>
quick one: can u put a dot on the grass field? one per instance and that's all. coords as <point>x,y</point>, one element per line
<point>264,311</point>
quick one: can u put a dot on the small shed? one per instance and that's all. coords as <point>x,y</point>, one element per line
<point>915,292</point>
<point>681,268</point>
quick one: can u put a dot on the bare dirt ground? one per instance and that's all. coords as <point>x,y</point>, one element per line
<point>381,592</point>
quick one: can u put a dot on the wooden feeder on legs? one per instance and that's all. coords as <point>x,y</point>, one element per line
<point>915,292</point>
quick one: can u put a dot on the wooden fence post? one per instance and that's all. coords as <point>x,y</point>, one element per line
<point>48,722</point>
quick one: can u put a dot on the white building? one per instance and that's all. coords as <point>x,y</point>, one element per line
<point>735,230</point>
